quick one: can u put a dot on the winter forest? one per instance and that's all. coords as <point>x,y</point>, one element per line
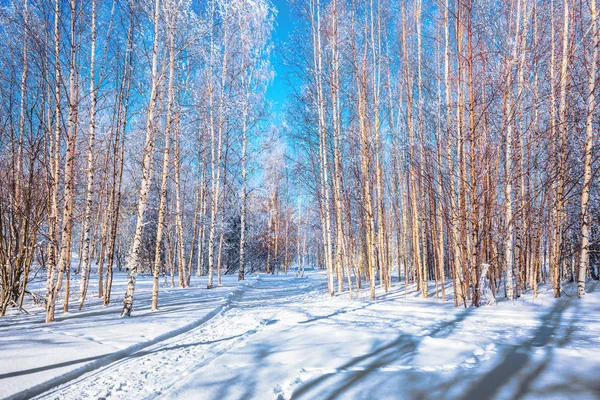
<point>193,193</point>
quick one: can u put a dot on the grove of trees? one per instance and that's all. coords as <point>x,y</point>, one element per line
<point>448,139</point>
<point>449,142</point>
<point>129,133</point>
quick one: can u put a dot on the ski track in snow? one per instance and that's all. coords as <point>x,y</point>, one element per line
<point>114,360</point>
<point>281,337</point>
<point>141,374</point>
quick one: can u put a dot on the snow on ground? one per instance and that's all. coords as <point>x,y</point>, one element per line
<point>280,337</point>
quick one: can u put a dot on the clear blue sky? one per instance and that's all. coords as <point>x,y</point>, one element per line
<point>284,25</point>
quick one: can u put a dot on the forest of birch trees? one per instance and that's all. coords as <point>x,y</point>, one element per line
<point>450,145</point>
<point>450,141</point>
<point>129,130</point>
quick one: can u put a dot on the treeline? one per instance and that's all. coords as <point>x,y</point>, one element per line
<point>131,133</point>
<point>450,140</point>
<point>438,141</point>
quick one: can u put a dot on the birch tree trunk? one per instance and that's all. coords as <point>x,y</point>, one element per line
<point>420,190</point>
<point>189,268</point>
<point>508,194</point>
<point>337,157</point>
<point>243,190</point>
<point>439,187</point>
<point>55,175</point>
<point>165,171</point>
<point>454,239</point>
<point>120,160</point>
<point>318,70</point>
<point>587,164</point>
<point>147,170</point>
<point>412,178</point>
<point>203,206</point>
<point>179,211</point>
<point>85,254</point>
<point>216,158</point>
<point>563,111</point>
<point>463,272</point>
<point>473,135</point>
<point>67,222</point>
<point>19,166</point>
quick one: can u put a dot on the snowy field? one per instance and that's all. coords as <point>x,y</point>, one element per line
<point>281,337</point>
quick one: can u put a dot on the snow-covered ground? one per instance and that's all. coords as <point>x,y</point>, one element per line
<point>280,337</point>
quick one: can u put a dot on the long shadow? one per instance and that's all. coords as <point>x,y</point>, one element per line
<point>394,351</point>
<point>336,313</point>
<point>398,349</point>
<point>518,357</point>
<point>52,366</point>
<point>188,345</point>
<point>93,363</point>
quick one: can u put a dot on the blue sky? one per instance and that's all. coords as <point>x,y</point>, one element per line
<point>284,26</point>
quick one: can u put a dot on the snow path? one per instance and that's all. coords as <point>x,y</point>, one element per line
<point>143,374</point>
<point>50,355</point>
<point>282,337</point>
<point>116,357</point>
<point>396,348</point>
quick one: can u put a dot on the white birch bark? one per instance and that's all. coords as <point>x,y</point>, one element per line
<point>147,171</point>
<point>67,220</point>
<point>318,70</point>
<point>85,253</point>
<point>587,164</point>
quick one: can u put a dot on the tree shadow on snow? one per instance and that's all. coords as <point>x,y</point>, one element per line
<point>518,362</point>
<point>401,349</point>
<point>341,311</point>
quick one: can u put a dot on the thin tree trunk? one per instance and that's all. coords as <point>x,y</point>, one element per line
<point>562,153</point>
<point>216,156</point>
<point>147,171</point>
<point>318,68</point>
<point>85,253</point>
<point>67,223</point>
<point>55,178</point>
<point>587,175</point>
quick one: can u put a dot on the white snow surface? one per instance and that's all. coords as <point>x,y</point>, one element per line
<point>283,337</point>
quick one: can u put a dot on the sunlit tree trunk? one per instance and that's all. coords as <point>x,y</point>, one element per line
<point>420,189</point>
<point>165,164</point>
<point>324,165</point>
<point>69,181</point>
<point>415,222</point>
<point>560,203</point>
<point>216,159</point>
<point>189,268</point>
<point>85,256</point>
<point>587,164</point>
<point>147,170</point>
<point>203,206</point>
<point>119,159</point>
<point>439,185</point>
<point>244,161</point>
<point>337,157</point>
<point>179,206</point>
<point>55,176</point>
